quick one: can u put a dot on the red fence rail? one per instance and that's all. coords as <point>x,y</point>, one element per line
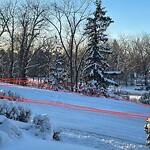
<point>140,115</point>
<point>49,86</point>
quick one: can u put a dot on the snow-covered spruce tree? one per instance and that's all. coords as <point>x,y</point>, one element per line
<point>57,71</point>
<point>98,49</point>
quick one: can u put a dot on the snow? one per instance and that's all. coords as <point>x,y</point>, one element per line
<point>112,72</point>
<point>131,90</point>
<point>110,81</point>
<point>31,143</point>
<point>4,139</point>
<point>11,129</point>
<point>15,136</point>
<point>2,118</point>
<point>111,131</point>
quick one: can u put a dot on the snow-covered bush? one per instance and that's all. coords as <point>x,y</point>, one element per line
<point>43,126</point>
<point>145,98</point>
<point>15,111</point>
<point>25,113</point>
<point>93,91</point>
<point>56,135</point>
<point>9,95</point>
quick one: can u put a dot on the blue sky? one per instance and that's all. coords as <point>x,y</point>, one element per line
<point>129,16</point>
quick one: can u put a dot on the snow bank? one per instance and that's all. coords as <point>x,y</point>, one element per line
<point>10,129</point>
<point>2,118</point>
<point>4,138</point>
<point>13,137</point>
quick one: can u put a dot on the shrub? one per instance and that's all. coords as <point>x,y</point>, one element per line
<point>15,111</point>
<point>43,126</point>
<point>10,94</point>
<point>56,135</point>
<point>145,98</point>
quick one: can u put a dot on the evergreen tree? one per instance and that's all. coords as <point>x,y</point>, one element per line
<point>98,49</point>
<point>57,71</point>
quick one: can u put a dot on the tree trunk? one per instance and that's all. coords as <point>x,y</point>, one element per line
<point>10,72</point>
<point>71,62</point>
<point>145,76</point>
<point>71,75</point>
<point>76,81</point>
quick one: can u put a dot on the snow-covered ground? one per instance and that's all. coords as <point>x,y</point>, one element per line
<point>131,90</point>
<point>82,128</point>
<point>15,136</point>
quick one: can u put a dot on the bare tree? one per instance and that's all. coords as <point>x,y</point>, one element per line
<point>116,57</point>
<point>31,23</point>
<point>134,52</point>
<point>141,46</point>
<point>68,22</point>
<point>2,22</point>
<point>126,58</point>
<point>9,18</point>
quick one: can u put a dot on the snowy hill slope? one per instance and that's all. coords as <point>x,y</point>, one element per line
<point>109,126</point>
